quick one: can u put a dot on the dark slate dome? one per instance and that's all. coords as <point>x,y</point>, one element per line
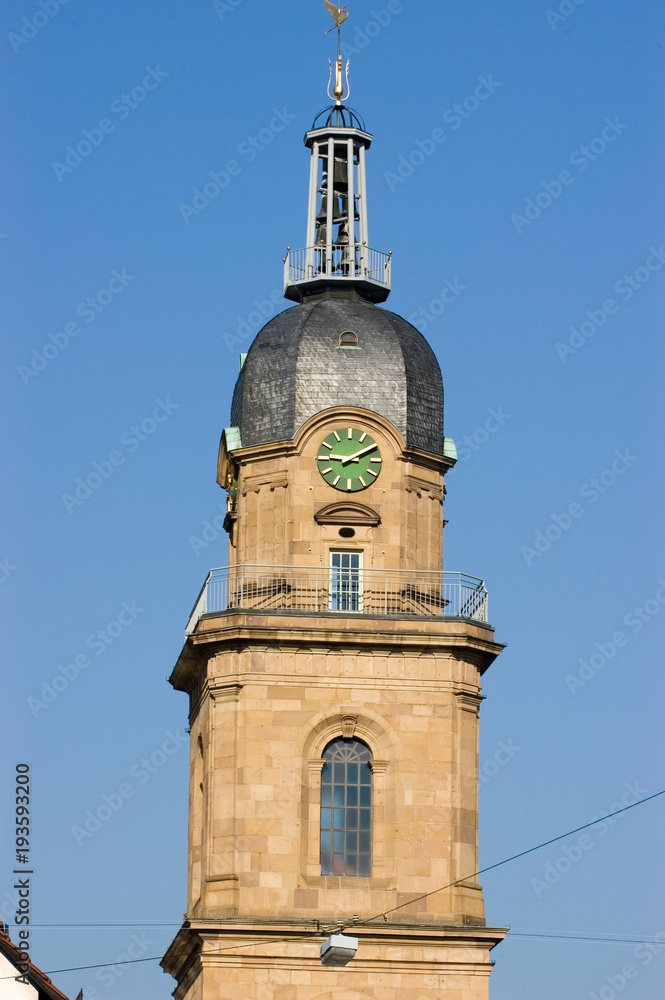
<point>296,368</point>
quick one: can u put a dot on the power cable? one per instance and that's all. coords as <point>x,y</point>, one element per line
<point>342,925</point>
<point>482,871</point>
<point>543,935</point>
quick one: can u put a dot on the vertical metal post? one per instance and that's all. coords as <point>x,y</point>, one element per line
<point>351,208</point>
<point>329,205</point>
<point>311,212</point>
<point>362,191</point>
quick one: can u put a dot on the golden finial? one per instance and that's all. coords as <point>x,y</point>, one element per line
<point>340,15</point>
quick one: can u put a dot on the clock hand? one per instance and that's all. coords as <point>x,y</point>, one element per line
<point>345,459</point>
<point>356,455</point>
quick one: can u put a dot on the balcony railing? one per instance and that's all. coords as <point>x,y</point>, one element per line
<point>339,261</point>
<point>304,590</point>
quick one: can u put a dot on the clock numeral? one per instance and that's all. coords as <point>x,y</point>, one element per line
<point>349,433</point>
<point>336,480</point>
<point>326,445</point>
<point>348,484</point>
<point>372,472</point>
<point>363,436</point>
<point>362,480</point>
<point>324,472</point>
<point>337,436</point>
<point>375,459</point>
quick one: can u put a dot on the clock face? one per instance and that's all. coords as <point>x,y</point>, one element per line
<point>349,459</point>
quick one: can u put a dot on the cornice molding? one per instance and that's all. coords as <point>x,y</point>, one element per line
<point>414,484</point>
<point>253,484</point>
<point>347,512</point>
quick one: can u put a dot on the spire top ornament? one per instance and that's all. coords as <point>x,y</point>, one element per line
<point>337,254</point>
<point>340,15</point>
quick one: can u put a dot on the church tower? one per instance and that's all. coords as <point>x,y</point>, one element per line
<point>333,668</point>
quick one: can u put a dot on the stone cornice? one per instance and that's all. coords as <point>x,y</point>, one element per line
<point>380,929</point>
<point>467,699</point>
<point>414,484</point>
<point>196,939</point>
<point>288,448</point>
<point>457,637</point>
<point>253,484</point>
<point>227,691</point>
<point>347,512</point>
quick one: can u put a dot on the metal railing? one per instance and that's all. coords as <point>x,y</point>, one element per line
<point>304,590</point>
<point>310,263</point>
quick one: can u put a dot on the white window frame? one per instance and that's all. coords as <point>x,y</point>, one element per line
<point>357,579</point>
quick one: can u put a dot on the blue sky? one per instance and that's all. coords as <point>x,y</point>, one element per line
<point>540,196</point>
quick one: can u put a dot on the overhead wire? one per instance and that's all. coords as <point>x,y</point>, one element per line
<point>498,864</point>
<point>544,935</point>
<point>341,925</point>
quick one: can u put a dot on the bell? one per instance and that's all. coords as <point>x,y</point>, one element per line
<point>340,179</point>
<point>349,263</point>
<point>320,238</point>
<point>343,234</point>
<point>339,209</point>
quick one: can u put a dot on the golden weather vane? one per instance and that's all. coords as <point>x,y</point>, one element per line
<point>339,14</point>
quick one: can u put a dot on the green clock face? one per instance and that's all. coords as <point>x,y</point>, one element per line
<point>349,459</point>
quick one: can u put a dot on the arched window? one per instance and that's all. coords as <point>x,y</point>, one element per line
<point>348,339</point>
<point>346,809</point>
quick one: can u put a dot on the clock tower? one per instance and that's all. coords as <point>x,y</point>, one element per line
<point>332,667</point>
